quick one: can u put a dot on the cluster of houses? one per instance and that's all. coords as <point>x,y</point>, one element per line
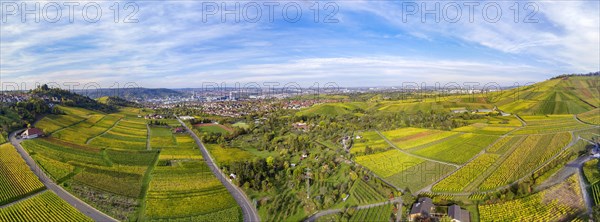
<point>13,98</point>
<point>154,116</point>
<point>425,210</point>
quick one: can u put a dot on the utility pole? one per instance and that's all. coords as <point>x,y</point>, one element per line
<point>307,183</point>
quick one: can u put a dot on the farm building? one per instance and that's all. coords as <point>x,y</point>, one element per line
<point>179,130</point>
<point>32,133</point>
<point>421,208</point>
<point>458,215</point>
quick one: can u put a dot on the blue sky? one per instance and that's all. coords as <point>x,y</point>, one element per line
<point>172,46</point>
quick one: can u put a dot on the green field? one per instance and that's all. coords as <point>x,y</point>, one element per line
<point>16,179</point>
<point>212,129</point>
<point>227,155</point>
<point>43,207</point>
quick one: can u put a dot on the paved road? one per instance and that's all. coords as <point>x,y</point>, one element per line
<point>248,209</point>
<point>62,193</point>
<point>314,217</point>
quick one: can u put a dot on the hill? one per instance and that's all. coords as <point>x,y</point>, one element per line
<point>67,98</point>
<point>116,101</point>
<point>565,95</point>
<point>131,94</point>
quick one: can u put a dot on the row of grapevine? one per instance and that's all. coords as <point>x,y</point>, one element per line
<point>379,213</point>
<point>365,194</point>
<point>532,152</point>
<point>596,192</point>
<point>557,203</point>
<point>465,175</point>
<point>43,207</point>
<point>16,179</point>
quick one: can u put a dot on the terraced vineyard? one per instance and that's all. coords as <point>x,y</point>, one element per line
<point>504,144</point>
<point>457,149</point>
<point>465,175</point>
<point>129,133</point>
<point>403,170</point>
<point>16,179</point>
<point>196,184</point>
<point>363,194</point>
<point>388,163</point>
<point>91,127</point>
<point>371,139</point>
<point>530,153</point>
<point>595,189</point>
<point>416,137</point>
<point>556,96</point>
<point>93,172</point>
<point>43,207</point>
<point>591,117</point>
<point>380,213</point>
<point>550,124</point>
<point>225,156</point>
<point>558,203</point>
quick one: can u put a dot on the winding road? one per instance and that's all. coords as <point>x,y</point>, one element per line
<point>398,200</point>
<point>57,189</point>
<point>249,211</point>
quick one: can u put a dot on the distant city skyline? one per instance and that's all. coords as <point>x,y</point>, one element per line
<point>182,44</point>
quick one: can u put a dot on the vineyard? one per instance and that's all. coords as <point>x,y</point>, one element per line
<point>557,203</point>
<point>227,155</point>
<point>591,117</point>
<point>504,144</point>
<point>530,154</point>
<point>363,193</point>
<point>43,207</point>
<point>85,130</point>
<point>388,163</point>
<point>556,96</point>
<point>371,139</point>
<point>465,175</point>
<point>16,179</point>
<point>105,173</point>
<point>457,149</point>
<point>550,124</point>
<point>195,183</point>
<point>379,213</point>
<point>419,138</point>
<point>129,133</point>
<point>591,171</point>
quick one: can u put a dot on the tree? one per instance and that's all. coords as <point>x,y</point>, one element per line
<point>270,160</point>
